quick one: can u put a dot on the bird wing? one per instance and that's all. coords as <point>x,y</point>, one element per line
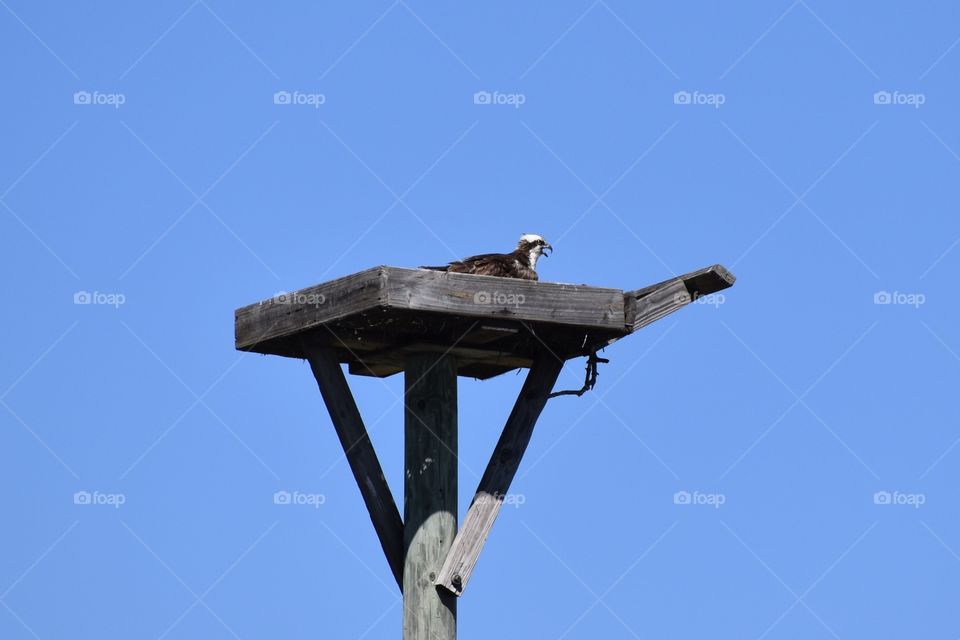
<point>503,265</point>
<point>471,264</point>
<point>483,264</point>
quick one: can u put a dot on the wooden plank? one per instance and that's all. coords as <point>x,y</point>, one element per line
<point>461,353</point>
<point>495,483</point>
<point>387,362</point>
<point>361,455</point>
<point>489,297</point>
<point>647,308</point>
<point>429,494</point>
<point>464,296</point>
<point>490,332</point>
<point>649,304</point>
<point>302,310</point>
<point>708,280</point>
<point>368,317</point>
<point>378,369</point>
<point>459,294</point>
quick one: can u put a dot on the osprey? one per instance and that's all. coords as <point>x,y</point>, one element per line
<point>519,263</point>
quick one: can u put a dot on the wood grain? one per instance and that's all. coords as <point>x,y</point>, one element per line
<point>490,297</point>
<point>360,454</point>
<point>649,304</point>
<point>495,483</point>
<point>459,294</point>
<point>429,494</point>
<point>373,318</point>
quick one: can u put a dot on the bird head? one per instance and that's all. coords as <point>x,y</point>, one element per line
<point>534,244</point>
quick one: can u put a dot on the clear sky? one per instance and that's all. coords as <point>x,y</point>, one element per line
<point>178,160</point>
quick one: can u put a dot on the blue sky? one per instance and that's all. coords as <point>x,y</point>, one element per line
<point>178,160</point>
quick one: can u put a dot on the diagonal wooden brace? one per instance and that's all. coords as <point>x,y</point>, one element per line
<point>500,471</point>
<point>360,454</point>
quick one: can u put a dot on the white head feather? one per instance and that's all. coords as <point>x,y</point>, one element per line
<point>536,250</point>
<point>530,237</point>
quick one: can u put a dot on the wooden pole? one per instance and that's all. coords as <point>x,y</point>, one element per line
<point>430,494</point>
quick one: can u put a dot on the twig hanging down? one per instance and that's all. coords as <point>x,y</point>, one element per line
<point>589,380</point>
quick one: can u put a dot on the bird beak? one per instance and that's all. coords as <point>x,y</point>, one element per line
<point>547,249</point>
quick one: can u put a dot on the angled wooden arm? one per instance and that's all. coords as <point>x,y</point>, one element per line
<point>500,471</point>
<point>649,304</point>
<point>360,454</point>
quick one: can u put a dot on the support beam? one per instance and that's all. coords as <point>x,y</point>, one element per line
<point>429,494</point>
<point>360,454</point>
<point>500,471</point>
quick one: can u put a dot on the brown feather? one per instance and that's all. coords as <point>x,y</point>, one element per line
<point>515,264</point>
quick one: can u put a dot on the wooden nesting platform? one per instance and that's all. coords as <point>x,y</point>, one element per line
<point>373,319</point>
